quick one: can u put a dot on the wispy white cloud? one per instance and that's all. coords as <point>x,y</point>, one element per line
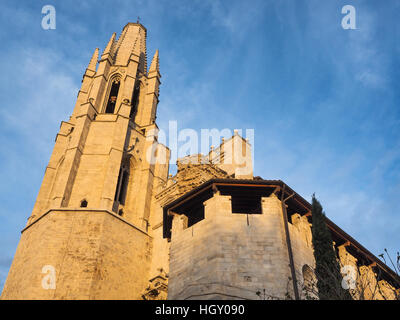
<point>236,17</point>
<point>360,55</point>
<point>286,69</point>
<point>47,96</point>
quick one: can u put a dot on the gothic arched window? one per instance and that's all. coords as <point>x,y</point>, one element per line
<point>112,98</point>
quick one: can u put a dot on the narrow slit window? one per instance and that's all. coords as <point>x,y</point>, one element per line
<point>122,186</point>
<point>118,186</point>
<point>112,99</point>
<point>135,101</point>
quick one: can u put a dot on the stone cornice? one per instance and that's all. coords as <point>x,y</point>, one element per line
<point>88,210</point>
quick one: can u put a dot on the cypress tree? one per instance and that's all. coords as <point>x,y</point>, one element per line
<point>327,268</point>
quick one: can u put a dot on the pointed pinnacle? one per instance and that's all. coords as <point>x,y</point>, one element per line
<point>93,61</point>
<point>110,45</point>
<point>155,63</point>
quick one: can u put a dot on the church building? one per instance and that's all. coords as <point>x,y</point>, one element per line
<point>110,222</point>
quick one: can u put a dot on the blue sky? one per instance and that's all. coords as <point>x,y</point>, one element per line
<point>324,102</point>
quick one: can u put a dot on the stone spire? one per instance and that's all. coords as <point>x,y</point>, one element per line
<point>110,47</point>
<point>155,64</point>
<point>132,41</point>
<point>147,113</point>
<point>143,49</point>
<point>93,61</point>
<point>120,40</point>
<point>137,46</point>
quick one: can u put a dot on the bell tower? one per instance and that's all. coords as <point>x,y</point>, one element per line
<point>90,223</point>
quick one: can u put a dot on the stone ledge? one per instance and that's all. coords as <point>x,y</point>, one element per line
<point>89,211</point>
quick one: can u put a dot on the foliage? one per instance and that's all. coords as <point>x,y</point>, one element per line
<point>327,270</point>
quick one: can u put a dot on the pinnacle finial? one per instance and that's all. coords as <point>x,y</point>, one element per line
<point>110,45</point>
<point>93,61</point>
<point>155,63</point>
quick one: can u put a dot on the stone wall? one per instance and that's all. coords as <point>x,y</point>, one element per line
<point>303,253</point>
<point>367,283</point>
<point>233,256</point>
<point>96,255</point>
